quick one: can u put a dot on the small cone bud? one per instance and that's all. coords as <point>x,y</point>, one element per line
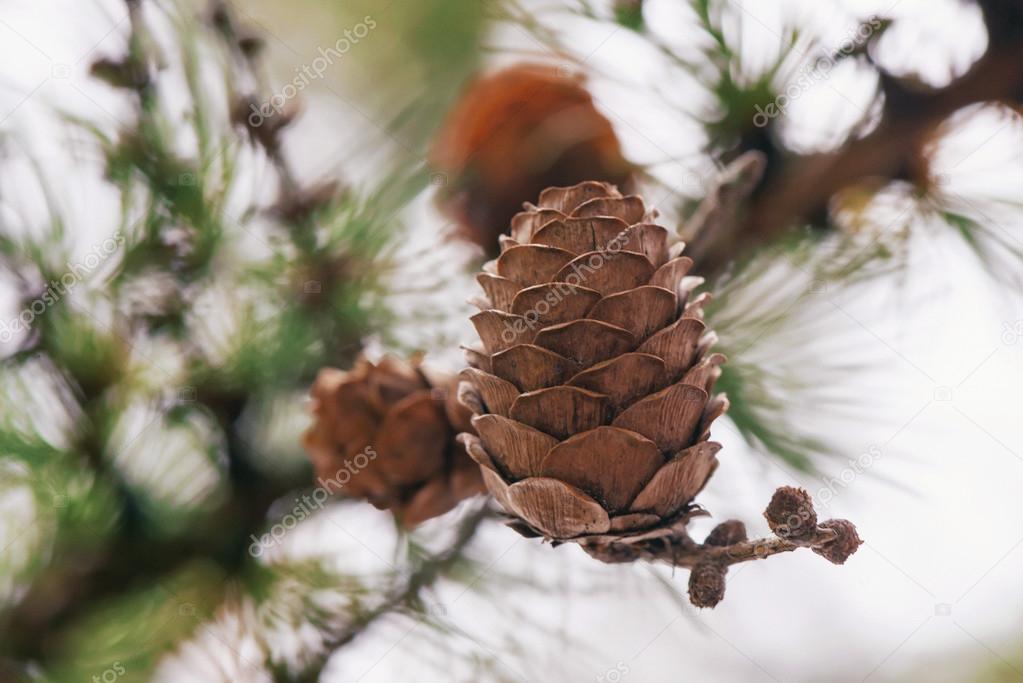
<point>262,120</point>
<point>727,533</point>
<point>790,514</point>
<point>120,73</point>
<point>846,543</point>
<point>251,44</point>
<point>707,584</point>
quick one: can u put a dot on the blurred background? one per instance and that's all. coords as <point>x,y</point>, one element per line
<point>202,204</point>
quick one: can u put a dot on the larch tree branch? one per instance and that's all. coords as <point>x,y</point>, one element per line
<point>798,188</point>
<point>402,596</point>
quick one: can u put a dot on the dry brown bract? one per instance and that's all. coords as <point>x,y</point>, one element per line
<point>386,433</point>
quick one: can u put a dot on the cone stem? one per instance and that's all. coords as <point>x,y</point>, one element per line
<point>679,550</point>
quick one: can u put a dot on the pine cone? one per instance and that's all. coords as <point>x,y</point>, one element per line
<point>513,133</point>
<point>386,433</point>
<point>592,394</point>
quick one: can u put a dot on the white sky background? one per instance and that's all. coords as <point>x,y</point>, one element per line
<point>938,576</point>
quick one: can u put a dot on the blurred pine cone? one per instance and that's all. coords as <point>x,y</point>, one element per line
<point>592,392</point>
<point>386,433</point>
<point>511,135</point>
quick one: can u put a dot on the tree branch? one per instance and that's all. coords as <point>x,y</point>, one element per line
<point>679,550</point>
<point>401,596</point>
<point>797,188</point>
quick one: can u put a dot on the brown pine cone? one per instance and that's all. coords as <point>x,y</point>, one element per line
<point>386,433</point>
<point>592,393</point>
<point>510,135</point>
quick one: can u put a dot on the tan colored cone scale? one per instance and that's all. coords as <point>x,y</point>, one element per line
<point>405,425</point>
<point>593,386</point>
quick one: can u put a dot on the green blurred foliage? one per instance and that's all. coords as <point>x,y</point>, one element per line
<point>138,408</point>
<point>129,636</point>
<point>410,65</point>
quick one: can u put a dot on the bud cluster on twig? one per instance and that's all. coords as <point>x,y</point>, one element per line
<point>790,515</point>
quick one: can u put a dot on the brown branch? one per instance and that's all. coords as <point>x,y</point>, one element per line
<point>295,204</point>
<point>798,188</point>
<point>807,182</point>
<point>718,217</point>
<point>681,551</point>
<point>402,596</point>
